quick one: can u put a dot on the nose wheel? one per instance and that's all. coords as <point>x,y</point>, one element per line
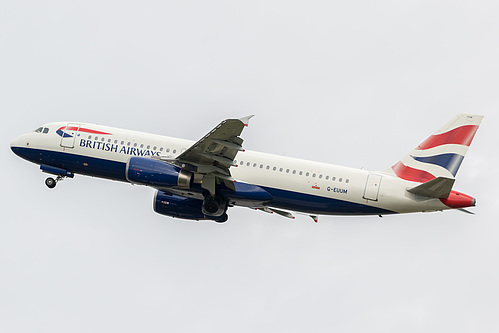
<point>51,182</point>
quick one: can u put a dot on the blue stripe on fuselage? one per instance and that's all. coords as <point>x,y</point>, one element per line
<point>114,170</point>
<point>80,164</point>
<point>313,204</point>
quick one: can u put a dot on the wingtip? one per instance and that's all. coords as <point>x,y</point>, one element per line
<point>245,120</point>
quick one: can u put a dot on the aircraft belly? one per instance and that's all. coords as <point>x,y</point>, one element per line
<point>79,164</point>
<point>313,204</point>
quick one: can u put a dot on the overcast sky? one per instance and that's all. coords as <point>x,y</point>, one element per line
<point>355,83</point>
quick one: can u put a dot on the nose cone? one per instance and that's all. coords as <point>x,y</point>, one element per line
<point>15,144</point>
<point>20,144</point>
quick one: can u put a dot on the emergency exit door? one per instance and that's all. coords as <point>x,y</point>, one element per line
<point>371,191</point>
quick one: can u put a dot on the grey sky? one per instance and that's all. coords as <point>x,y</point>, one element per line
<point>356,83</point>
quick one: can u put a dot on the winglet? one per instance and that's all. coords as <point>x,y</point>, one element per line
<point>245,120</point>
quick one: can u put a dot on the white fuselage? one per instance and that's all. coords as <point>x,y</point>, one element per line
<point>295,184</point>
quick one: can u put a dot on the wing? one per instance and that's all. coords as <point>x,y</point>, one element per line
<point>213,155</point>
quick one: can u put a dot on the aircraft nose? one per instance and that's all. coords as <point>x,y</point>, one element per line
<point>19,143</point>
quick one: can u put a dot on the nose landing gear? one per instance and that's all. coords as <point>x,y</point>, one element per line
<point>60,173</point>
<point>51,182</point>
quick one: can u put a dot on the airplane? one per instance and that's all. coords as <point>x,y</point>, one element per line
<point>201,180</point>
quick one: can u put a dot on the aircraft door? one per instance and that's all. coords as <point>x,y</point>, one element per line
<point>68,135</point>
<point>372,187</point>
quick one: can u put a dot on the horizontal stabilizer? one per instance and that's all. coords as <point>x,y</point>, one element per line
<point>436,188</point>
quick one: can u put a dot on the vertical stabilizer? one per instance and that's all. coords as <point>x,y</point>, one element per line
<point>442,153</point>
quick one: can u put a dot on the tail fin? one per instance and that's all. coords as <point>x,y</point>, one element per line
<point>441,154</point>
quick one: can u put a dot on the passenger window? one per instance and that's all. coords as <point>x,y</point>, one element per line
<point>313,175</point>
<point>301,173</point>
<point>261,166</point>
<point>174,151</point>
<point>274,169</point>
<point>287,170</point>
<point>294,172</point>
<point>254,165</point>
<point>320,176</point>
<point>248,164</point>
<point>347,181</point>
<point>340,180</point>
<point>241,163</point>
<point>96,138</point>
<point>135,144</point>
<point>327,177</point>
<point>333,179</point>
<point>280,170</point>
<point>142,146</point>
<point>161,149</point>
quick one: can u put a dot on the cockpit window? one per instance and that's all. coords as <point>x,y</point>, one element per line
<point>43,130</point>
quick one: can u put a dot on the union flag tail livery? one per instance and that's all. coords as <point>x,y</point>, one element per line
<point>441,154</point>
<point>200,180</point>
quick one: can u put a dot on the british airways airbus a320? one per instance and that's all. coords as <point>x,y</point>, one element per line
<point>200,180</point>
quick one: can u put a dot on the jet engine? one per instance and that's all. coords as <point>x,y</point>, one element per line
<point>183,207</point>
<point>148,171</point>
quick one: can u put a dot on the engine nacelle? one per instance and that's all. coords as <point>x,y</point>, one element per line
<point>148,171</point>
<point>182,207</point>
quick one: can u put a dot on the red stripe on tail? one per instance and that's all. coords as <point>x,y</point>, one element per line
<point>460,136</point>
<point>411,174</point>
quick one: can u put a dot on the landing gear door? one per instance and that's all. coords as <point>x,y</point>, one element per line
<point>372,187</point>
<point>68,135</point>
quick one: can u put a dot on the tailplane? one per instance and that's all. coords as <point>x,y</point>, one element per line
<point>436,188</point>
<point>440,155</point>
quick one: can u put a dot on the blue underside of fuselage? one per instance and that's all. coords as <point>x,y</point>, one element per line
<point>79,164</point>
<point>113,170</point>
<point>313,204</point>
